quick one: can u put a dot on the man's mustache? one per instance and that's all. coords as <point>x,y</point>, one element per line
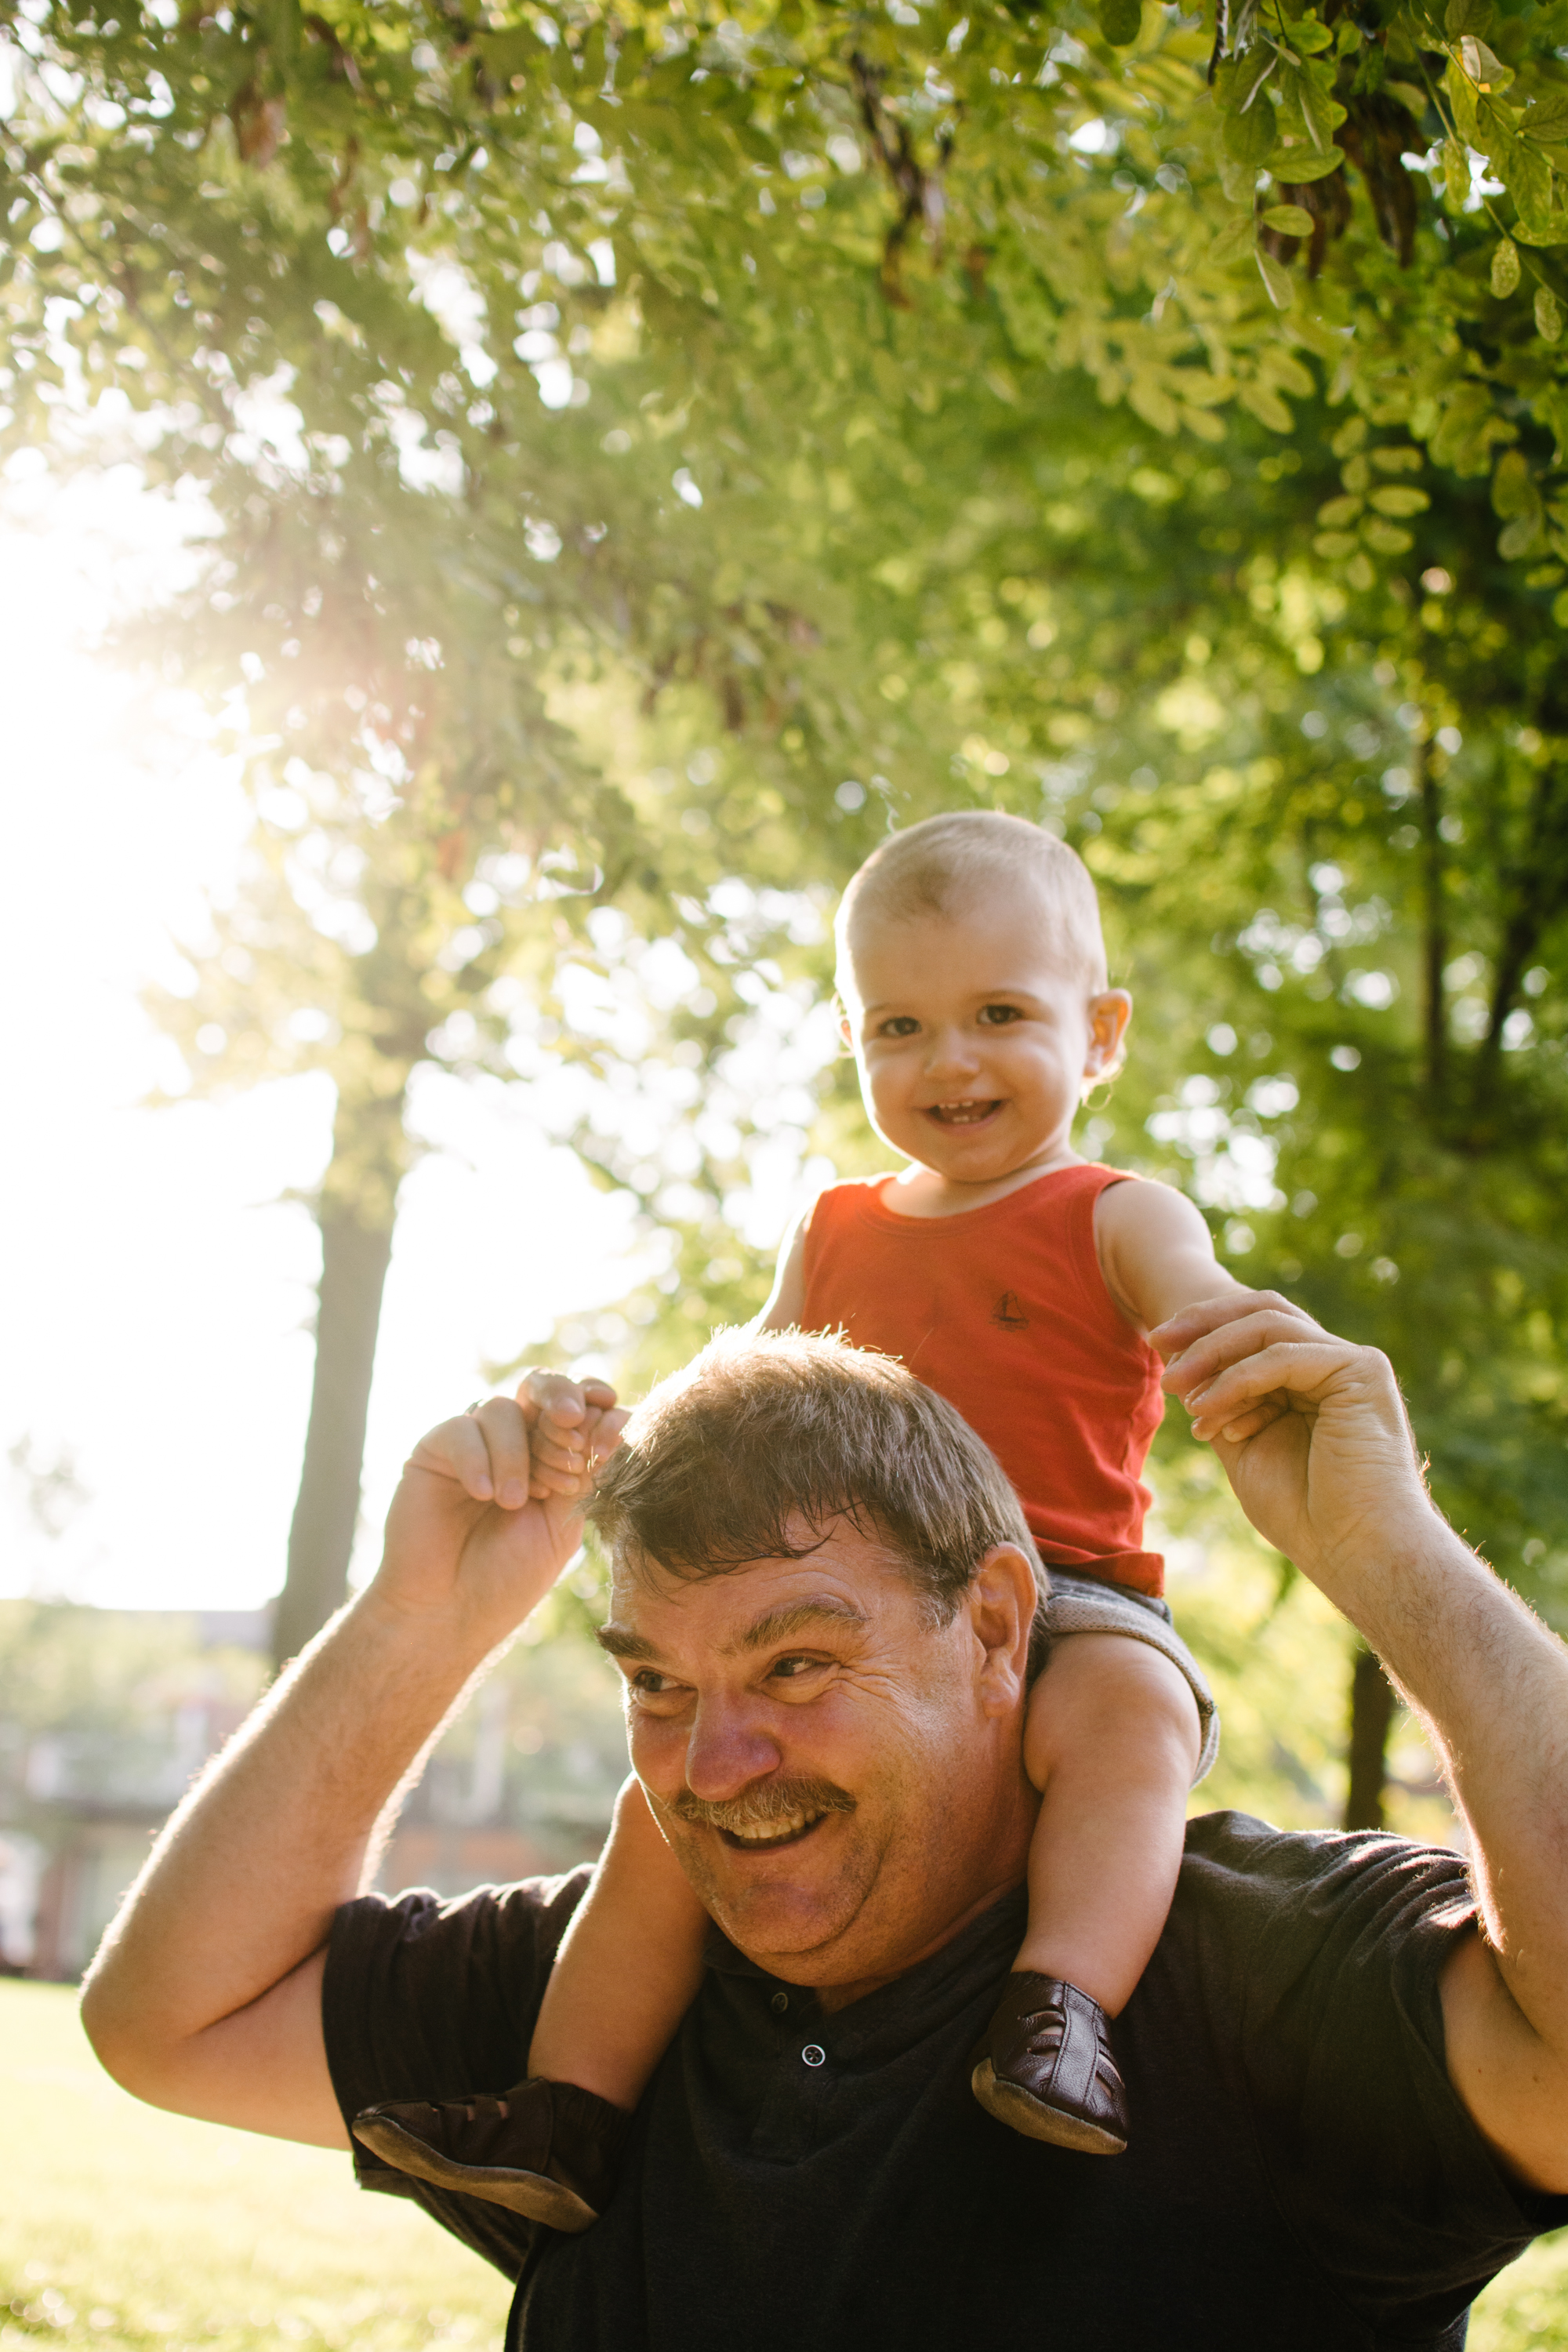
<point>766,1801</point>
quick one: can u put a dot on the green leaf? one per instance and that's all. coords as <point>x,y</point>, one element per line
<point>1307,36</point>
<point>1483,66</point>
<point>1337,513</point>
<point>1546,121</point>
<point>1298,164</point>
<point>1277,282</point>
<point>1551,232</point>
<point>1528,178</point>
<point>1386,537</point>
<point>1120,21</point>
<point>1463,16</point>
<point>1513,486</point>
<point>1397,460</point>
<point>1249,137</point>
<point>1229,239</point>
<point>1335,543</point>
<point>1399,498</point>
<point>1559,609</point>
<point>1505,268</point>
<point>1517,537</point>
<point>1267,405</point>
<point>1349,436</point>
<point>1548,314</point>
<point>1461,95</point>
<point>1321,111</point>
<point>1290,220</point>
<point>1455,173</point>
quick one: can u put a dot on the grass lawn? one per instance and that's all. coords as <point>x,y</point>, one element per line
<point>122,2226</point>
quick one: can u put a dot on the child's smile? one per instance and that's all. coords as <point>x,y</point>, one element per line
<point>976,1032</point>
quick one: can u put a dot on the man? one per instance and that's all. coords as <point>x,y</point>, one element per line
<point>1352,2105</point>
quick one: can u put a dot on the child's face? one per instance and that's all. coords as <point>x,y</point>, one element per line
<point>972,1041</point>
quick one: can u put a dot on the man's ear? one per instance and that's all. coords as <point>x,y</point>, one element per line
<point>1001,1598</point>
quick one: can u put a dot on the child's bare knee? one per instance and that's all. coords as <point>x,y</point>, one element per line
<point>1099,1687</point>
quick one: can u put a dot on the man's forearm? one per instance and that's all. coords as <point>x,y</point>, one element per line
<point>1491,1683</point>
<point>242,1885</point>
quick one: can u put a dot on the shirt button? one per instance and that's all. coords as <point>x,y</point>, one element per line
<point>815,2054</point>
<point>780,2003</point>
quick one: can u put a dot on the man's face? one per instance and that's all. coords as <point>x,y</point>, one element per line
<point>839,1778</point>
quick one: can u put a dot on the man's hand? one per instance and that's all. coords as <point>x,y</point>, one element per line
<point>207,1997</point>
<point>1310,1428</point>
<point>490,1507</point>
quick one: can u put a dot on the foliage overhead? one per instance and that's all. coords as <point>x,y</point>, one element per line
<point>1195,214</point>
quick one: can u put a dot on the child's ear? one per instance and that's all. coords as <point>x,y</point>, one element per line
<point>846,1028</point>
<point>1109,1015</point>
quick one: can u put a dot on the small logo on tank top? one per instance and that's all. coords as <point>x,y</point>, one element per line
<point>1009,1314</point>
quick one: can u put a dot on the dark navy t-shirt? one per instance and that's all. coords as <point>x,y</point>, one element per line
<point>1300,2171</point>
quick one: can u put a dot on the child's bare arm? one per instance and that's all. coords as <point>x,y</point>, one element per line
<point>1157,1256</point>
<point>1155,1253</point>
<point>787,1300</point>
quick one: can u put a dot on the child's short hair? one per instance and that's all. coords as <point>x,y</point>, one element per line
<point>944,864</point>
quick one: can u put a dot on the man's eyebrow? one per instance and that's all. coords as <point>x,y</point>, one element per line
<point>622,1643</point>
<point>795,1616</point>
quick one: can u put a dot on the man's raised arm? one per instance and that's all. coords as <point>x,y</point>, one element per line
<point>1335,1481</point>
<point>205,1996</point>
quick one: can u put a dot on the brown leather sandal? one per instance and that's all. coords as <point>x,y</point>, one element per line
<point>1046,2067</point>
<point>548,2150</point>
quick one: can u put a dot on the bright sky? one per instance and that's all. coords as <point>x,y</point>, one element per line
<point>154,1287</point>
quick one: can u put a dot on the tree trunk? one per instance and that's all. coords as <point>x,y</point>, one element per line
<point>1434,927</point>
<point>355,1217</point>
<point>1372,1716</point>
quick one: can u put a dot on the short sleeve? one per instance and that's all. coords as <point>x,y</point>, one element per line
<point>424,1999</point>
<point>1375,2160</point>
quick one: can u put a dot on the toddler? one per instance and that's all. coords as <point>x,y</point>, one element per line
<point>1020,1283</point>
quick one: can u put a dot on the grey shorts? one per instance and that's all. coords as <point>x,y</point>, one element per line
<point>1088,1604</point>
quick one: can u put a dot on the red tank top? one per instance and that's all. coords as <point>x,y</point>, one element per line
<point>1005,1312</point>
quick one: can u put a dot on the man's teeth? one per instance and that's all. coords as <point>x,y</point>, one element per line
<point>783,1825</point>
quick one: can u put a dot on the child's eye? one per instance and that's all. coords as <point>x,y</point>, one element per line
<point>997,1016</point>
<point>902,1024</point>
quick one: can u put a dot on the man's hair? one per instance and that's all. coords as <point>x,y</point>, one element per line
<point>943,866</point>
<point>766,1439</point>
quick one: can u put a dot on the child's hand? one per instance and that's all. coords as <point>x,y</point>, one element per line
<point>1172,1337</point>
<point>574,1425</point>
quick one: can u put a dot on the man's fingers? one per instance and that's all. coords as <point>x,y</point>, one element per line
<point>505,1433</point>
<point>1290,1374</point>
<point>1182,1331</point>
<point>456,1449</point>
<point>1207,1353</point>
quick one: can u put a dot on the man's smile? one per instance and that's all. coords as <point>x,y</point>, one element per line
<point>767,1837</point>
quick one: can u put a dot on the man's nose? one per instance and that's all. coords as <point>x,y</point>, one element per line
<point>727,1748</point>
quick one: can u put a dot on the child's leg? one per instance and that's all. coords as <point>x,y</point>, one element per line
<point>627,1969</point>
<point>628,1966</point>
<point>1111,1739</point>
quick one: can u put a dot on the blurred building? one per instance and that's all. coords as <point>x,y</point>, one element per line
<point>523,1782</point>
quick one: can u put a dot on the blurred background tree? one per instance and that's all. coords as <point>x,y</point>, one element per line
<point>642,457</point>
